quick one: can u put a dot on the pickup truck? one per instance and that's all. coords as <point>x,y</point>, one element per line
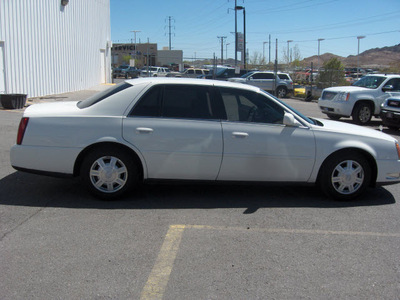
<point>362,100</point>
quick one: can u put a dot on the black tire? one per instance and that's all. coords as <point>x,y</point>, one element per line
<point>109,172</point>
<point>333,117</point>
<point>281,92</point>
<point>362,113</point>
<point>345,175</point>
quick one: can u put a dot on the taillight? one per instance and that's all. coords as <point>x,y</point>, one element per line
<point>21,130</point>
<point>398,150</point>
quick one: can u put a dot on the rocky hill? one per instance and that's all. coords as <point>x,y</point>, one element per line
<point>372,58</point>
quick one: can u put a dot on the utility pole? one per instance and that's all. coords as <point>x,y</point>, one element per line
<point>170,19</point>
<point>269,54</point>
<point>236,48</point>
<point>222,48</point>
<point>134,35</point>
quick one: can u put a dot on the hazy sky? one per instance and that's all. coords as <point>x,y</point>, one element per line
<point>196,25</point>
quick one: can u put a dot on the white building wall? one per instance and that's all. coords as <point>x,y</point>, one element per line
<point>49,48</point>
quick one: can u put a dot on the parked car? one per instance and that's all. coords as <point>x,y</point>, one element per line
<point>120,71</point>
<point>390,113</point>
<point>132,72</point>
<point>268,81</point>
<point>362,100</point>
<point>221,73</point>
<point>154,72</point>
<point>193,73</point>
<point>189,129</point>
<point>299,91</point>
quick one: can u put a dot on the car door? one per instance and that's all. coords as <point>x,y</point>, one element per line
<point>257,146</point>
<point>174,128</point>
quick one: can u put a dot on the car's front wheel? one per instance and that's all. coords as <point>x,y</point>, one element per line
<point>362,113</point>
<point>109,172</point>
<point>281,92</point>
<point>345,175</point>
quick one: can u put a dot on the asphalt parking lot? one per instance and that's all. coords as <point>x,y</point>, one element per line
<point>193,241</point>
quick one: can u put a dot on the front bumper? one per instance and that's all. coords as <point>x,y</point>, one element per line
<point>390,118</point>
<point>340,108</point>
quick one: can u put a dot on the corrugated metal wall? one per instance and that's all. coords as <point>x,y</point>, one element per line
<point>51,49</point>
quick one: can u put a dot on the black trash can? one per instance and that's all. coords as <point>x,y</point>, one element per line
<point>13,101</point>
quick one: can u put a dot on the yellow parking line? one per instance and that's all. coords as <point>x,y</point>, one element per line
<point>159,276</point>
<point>158,279</point>
<point>297,231</point>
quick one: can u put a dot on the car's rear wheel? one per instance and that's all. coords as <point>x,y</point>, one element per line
<point>345,175</point>
<point>281,92</point>
<point>109,172</point>
<point>362,113</point>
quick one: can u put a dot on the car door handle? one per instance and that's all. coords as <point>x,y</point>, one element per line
<point>240,135</point>
<point>144,130</point>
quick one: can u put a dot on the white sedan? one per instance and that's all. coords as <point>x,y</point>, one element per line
<point>186,129</point>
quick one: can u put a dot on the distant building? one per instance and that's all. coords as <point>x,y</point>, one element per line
<point>141,55</point>
<point>54,46</point>
<point>170,58</point>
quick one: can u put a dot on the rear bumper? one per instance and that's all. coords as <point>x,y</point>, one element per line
<point>49,160</point>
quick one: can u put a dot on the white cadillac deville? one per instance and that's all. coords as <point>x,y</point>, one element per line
<point>203,130</point>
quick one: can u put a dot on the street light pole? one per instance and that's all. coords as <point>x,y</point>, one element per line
<point>319,40</point>
<point>244,33</point>
<point>134,39</point>
<point>236,34</point>
<point>288,55</point>
<point>264,51</point>
<point>358,54</point>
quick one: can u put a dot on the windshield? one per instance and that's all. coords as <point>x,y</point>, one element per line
<point>370,82</point>
<point>246,75</point>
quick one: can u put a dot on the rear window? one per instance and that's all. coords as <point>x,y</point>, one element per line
<point>283,76</point>
<point>103,95</point>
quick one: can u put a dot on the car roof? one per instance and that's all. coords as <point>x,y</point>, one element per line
<point>191,81</point>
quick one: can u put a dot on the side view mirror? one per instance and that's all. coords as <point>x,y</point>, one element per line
<point>387,88</point>
<point>289,120</point>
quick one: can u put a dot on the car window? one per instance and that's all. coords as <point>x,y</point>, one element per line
<point>176,101</point>
<point>103,95</point>
<point>283,77</point>
<point>183,101</point>
<point>190,71</point>
<point>149,103</point>
<point>395,82</point>
<point>263,76</point>
<point>198,72</point>
<point>247,106</point>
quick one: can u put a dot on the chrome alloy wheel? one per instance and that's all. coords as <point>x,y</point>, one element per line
<point>347,177</point>
<point>364,114</point>
<point>108,174</point>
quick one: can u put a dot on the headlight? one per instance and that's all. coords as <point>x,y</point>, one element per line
<point>344,96</point>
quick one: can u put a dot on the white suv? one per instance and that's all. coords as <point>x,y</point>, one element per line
<point>362,100</point>
<point>265,81</point>
<point>154,72</point>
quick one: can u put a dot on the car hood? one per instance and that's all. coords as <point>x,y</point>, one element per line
<point>338,89</point>
<point>346,128</point>
<point>53,109</point>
